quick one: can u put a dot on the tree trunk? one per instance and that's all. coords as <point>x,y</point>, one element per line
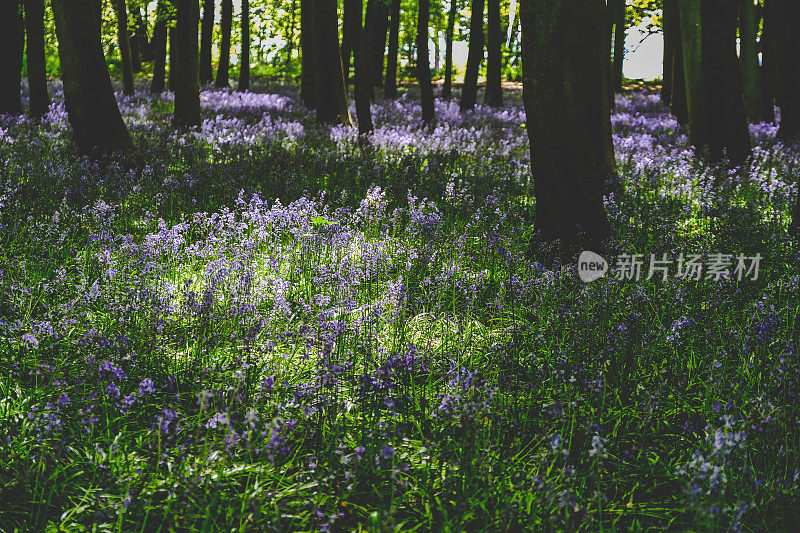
<point>447,90</point>
<point>768,60</point>
<point>136,39</point>
<point>728,131</point>
<point>493,95</point>
<point>751,78</point>
<point>376,28</point>
<point>789,68</point>
<point>172,60</point>
<point>206,38</point>
<point>619,44</point>
<point>363,113</point>
<point>187,64</point>
<point>244,69</point>
<point>290,42</point>
<point>566,101</point>
<point>423,65</point>
<point>678,93</point>
<point>226,23</point>
<point>35,56</point>
<point>331,98</point>
<point>348,40</point>
<point>121,12</point>
<point>469,93</point>
<point>159,48</point>
<point>692,50</point>
<point>390,84</point>
<point>608,47</point>
<point>97,125</point>
<point>308,91</point>
<point>669,23</point>
<point>12,43</point>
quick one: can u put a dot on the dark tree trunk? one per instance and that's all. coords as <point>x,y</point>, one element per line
<point>226,23</point>
<point>751,79</point>
<point>159,47</point>
<point>678,92</point>
<point>692,53</point>
<point>493,95</point>
<point>348,40</point>
<point>728,131</point>
<point>768,60</point>
<point>308,91</point>
<point>619,44</point>
<point>608,45</point>
<point>331,98</point>
<point>423,66</point>
<point>172,59</point>
<point>390,84</point>
<point>447,88</point>
<point>669,24</point>
<point>121,12</point>
<point>187,64</point>
<point>244,74</point>
<point>97,125</point>
<point>789,68</point>
<point>12,43</point>
<point>376,28</point>
<point>566,101</point>
<point>363,90</point>
<point>206,37</point>
<point>469,93</point>
<point>35,56</point>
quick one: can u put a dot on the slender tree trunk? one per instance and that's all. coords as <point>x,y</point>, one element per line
<point>692,50</point>
<point>206,38</point>
<point>159,47</point>
<point>331,98</point>
<point>768,60</point>
<point>362,88</point>
<point>376,28</point>
<point>244,74</point>
<point>423,65</point>
<point>136,39</point>
<point>390,84</point>
<point>308,90</point>
<point>35,56</point>
<point>97,125</point>
<point>494,40</point>
<point>469,94</point>
<point>172,59</point>
<point>728,131</point>
<point>447,88</point>
<point>619,44</point>
<point>290,42</point>
<point>749,60</point>
<point>226,23</point>
<point>566,101</point>
<point>121,13</point>
<point>348,41</point>
<point>12,43</point>
<point>187,65</point>
<point>789,68</point>
<point>669,23</point>
<point>678,93</point>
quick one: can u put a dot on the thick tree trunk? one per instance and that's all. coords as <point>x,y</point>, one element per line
<point>331,98</point>
<point>172,60</point>
<point>348,40</point>
<point>608,47</point>
<point>789,68</point>
<point>728,131</point>
<point>390,84</point>
<point>121,12</point>
<point>669,23</point>
<point>469,93</point>
<point>768,61</point>
<point>97,125</point>
<point>308,91</point>
<point>206,38</point>
<point>12,43</point>
<point>494,39</point>
<point>692,50</point>
<point>159,48</point>
<point>751,77</point>
<point>226,23</point>
<point>244,69</point>
<point>35,56</point>
<point>363,90</point>
<point>619,44</point>
<point>678,93</point>
<point>423,65</point>
<point>447,88</point>
<point>566,101</point>
<point>187,64</point>
<point>376,28</point>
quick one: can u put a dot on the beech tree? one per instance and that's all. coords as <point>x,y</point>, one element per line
<point>331,94</point>
<point>619,43</point>
<point>751,77</point>
<point>244,68</point>
<point>787,16</point>
<point>185,64</point>
<point>160,47</point>
<point>390,84</point>
<point>12,43</point>
<point>362,87</point>
<point>121,12</point>
<point>565,93</point>
<point>768,61</point>
<point>376,24</point>
<point>206,36</point>
<point>423,65</point>
<point>226,24</point>
<point>447,90</point>
<point>308,91</point>
<point>469,93</point>
<point>494,60</point>
<point>35,57</point>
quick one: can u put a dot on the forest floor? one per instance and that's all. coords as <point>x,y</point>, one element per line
<point>274,327</point>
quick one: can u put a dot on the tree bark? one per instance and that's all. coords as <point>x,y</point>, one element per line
<point>619,44</point>
<point>244,69</point>
<point>376,28</point>
<point>768,60</point>
<point>751,77</point>
<point>123,40</point>
<point>331,97</point>
<point>493,95</point>
<point>308,91</point>
<point>226,24</point>
<point>423,65</point>
<point>35,56</point>
<point>566,101</point>
<point>669,23</point>
<point>692,50</point>
<point>98,129</point>
<point>186,66</point>
<point>469,93</point>
<point>159,48</point>
<point>172,60</point>
<point>390,84</point>
<point>206,38</point>
<point>12,44</point>
<point>348,40</point>
<point>789,68</point>
<point>362,87</point>
<point>447,88</point>
<point>678,105</point>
